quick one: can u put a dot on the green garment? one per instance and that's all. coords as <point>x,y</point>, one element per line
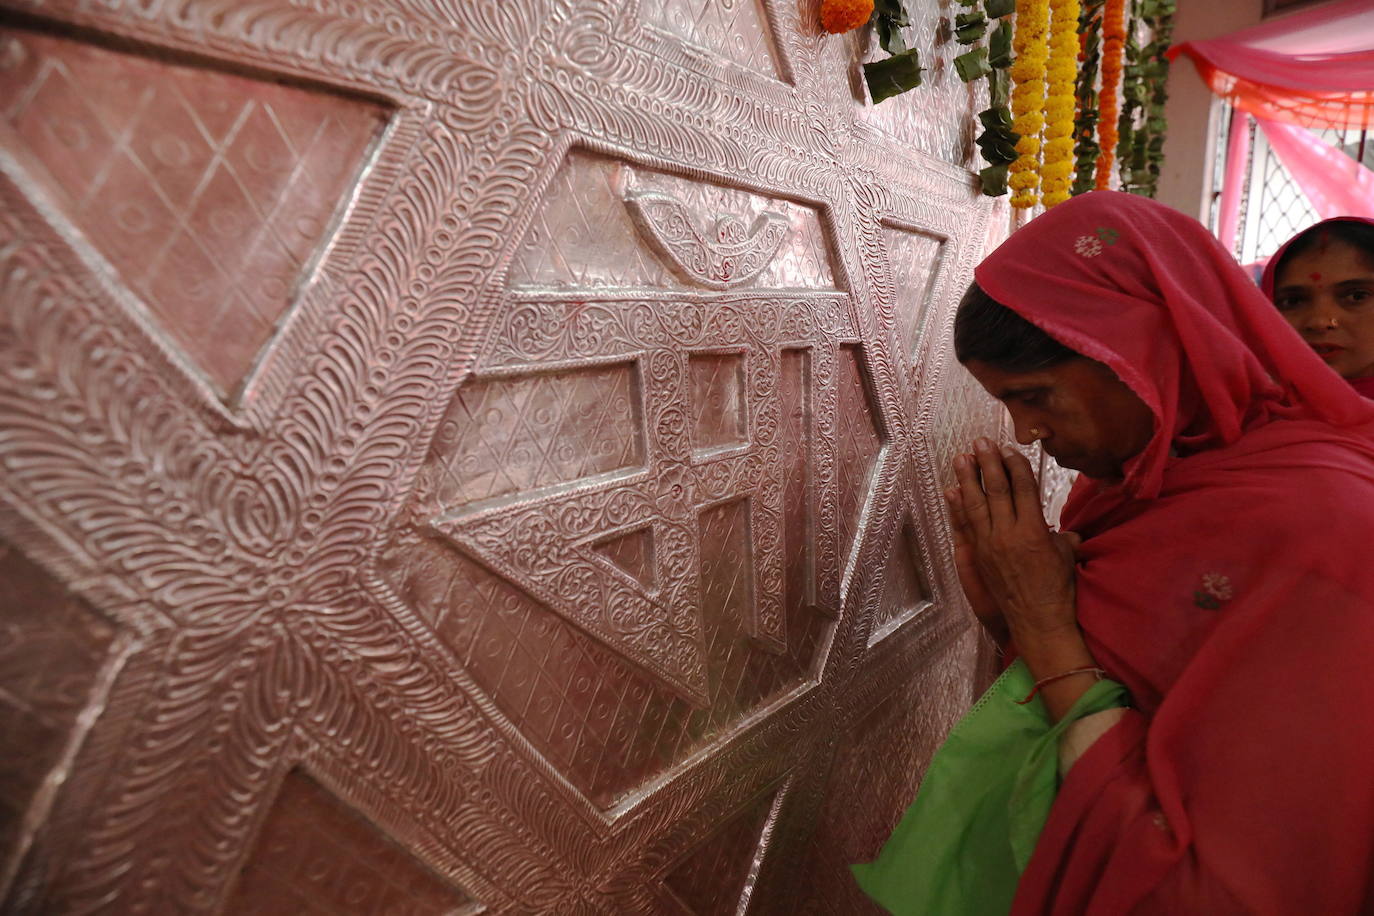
<point>961,847</point>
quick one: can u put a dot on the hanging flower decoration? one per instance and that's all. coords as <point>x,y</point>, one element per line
<point>997,142</point>
<point>1144,91</point>
<point>1061,71</point>
<point>901,70</point>
<point>1113,45</point>
<point>1028,98</point>
<point>845,15</point>
<point>1085,122</point>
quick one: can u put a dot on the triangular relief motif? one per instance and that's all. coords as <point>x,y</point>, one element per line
<point>206,191</point>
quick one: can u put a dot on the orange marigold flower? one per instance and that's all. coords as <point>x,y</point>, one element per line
<point>1113,40</point>
<point>845,15</point>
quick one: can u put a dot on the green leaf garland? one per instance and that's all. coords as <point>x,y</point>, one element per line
<point>1085,147</point>
<point>997,142</point>
<point>1145,86</point>
<point>893,75</point>
<point>900,72</point>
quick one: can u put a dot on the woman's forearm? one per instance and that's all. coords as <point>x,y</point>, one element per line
<point>1052,653</point>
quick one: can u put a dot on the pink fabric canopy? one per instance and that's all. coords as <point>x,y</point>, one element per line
<point>1314,68</point>
<point>1335,183</point>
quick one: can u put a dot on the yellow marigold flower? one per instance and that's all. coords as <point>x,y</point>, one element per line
<point>845,15</point>
<point>1028,72</point>
<point>1056,170</point>
<point>1059,148</point>
<point>1059,107</point>
<point>1061,72</point>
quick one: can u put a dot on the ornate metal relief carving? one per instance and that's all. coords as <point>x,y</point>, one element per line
<point>728,255</point>
<point>391,492</point>
<point>206,192</point>
<point>589,231</point>
<point>53,650</point>
<point>313,853</point>
<point>738,30</point>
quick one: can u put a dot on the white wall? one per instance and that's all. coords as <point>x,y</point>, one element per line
<point>1185,181</point>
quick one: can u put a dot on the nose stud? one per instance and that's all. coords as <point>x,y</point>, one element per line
<point>1333,324</point>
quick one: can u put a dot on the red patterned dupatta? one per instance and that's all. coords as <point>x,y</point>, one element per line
<point>1225,582</point>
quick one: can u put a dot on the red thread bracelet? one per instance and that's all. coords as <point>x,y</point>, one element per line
<point>1059,677</point>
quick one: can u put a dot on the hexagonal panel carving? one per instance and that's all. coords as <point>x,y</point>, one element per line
<point>691,560</point>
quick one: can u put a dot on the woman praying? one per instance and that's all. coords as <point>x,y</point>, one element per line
<point>1187,727</point>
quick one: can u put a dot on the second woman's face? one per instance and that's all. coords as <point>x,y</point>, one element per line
<point>1327,294</point>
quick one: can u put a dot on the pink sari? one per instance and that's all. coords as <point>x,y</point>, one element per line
<point>1226,583</point>
<point>1364,386</point>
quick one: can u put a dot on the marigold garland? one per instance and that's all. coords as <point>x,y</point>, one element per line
<point>1113,44</point>
<point>1061,73</point>
<point>1085,124</point>
<point>1031,45</point>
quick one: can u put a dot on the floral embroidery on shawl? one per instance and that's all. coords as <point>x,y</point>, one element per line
<point>1087,246</point>
<point>1214,590</point>
<point>1090,246</point>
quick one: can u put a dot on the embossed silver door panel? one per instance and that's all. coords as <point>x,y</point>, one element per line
<point>472,456</point>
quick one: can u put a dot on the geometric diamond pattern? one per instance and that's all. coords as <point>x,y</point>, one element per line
<point>316,855</point>
<point>879,762</point>
<point>607,726</point>
<point>206,191</point>
<point>915,261</point>
<point>717,400</point>
<point>905,589</point>
<point>727,568</point>
<point>710,879</point>
<point>510,435</point>
<point>735,30</point>
<point>858,446</point>
<point>51,650</point>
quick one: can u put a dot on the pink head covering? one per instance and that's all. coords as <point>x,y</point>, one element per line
<point>1270,278</point>
<point>1226,584</point>
<point>1149,292</point>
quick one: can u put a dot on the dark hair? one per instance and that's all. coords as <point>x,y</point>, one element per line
<point>1357,235</point>
<point>988,331</point>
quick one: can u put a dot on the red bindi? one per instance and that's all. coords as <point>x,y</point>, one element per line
<point>1316,278</point>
